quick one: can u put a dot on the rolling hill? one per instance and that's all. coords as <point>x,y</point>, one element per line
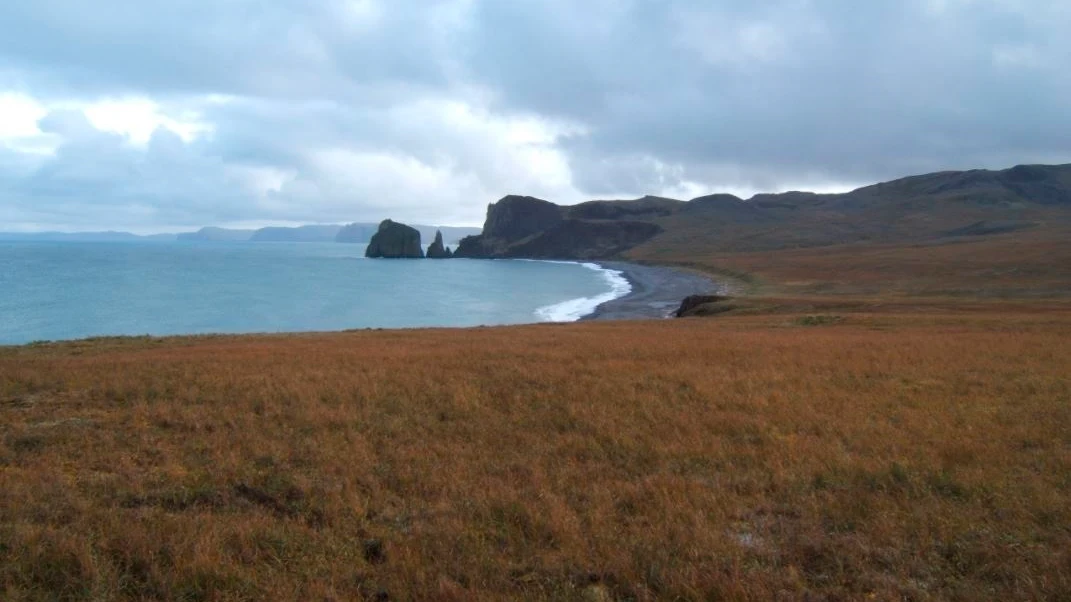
<point>947,232</point>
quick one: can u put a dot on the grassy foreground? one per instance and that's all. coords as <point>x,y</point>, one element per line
<point>895,455</point>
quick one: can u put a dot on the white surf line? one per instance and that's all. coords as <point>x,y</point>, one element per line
<point>574,309</point>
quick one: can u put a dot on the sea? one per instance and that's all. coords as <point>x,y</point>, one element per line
<point>73,290</point>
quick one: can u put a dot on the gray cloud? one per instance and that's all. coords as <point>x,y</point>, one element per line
<point>785,89</point>
<point>96,179</point>
<point>280,49</point>
<point>426,110</point>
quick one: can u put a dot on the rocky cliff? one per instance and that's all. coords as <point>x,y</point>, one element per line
<point>395,241</point>
<point>516,217</point>
<point>521,226</point>
<point>932,207</point>
<point>437,250</point>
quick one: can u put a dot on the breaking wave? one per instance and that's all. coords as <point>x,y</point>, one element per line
<point>574,309</point>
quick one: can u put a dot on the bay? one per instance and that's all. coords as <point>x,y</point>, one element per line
<point>68,290</point>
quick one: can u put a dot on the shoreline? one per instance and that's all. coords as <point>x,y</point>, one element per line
<point>657,291</point>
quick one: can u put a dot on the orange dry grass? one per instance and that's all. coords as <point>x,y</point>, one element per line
<point>921,457</point>
<point>1023,264</point>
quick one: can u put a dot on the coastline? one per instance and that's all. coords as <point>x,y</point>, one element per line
<point>636,292</point>
<point>573,310</point>
<point>656,293</point>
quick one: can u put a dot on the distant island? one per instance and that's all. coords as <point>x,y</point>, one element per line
<point>360,233</point>
<point>351,233</point>
<point>105,236</point>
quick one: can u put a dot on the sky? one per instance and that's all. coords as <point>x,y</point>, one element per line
<point>163,115</point>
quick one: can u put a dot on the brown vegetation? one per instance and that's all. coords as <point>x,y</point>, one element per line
<point>871,453</point>
<point>1030,264</point>
<point>965,234</point>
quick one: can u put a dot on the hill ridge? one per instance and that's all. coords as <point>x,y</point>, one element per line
<point>910,209</point>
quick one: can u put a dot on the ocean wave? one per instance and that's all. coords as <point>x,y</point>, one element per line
<point>574,309</point>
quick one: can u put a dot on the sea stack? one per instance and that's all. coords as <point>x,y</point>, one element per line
<point>395,241</point>
<point>437,250</point>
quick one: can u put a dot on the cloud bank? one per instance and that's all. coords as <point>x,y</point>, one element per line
<point>151,116</point>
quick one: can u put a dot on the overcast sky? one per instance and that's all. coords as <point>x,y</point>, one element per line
<point>156,115</point>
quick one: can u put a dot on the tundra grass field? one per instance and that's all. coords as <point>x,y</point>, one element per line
<point>887,452</point>
<point>1036,264</point>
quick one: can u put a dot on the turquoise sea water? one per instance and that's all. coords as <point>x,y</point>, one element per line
<point>55,291</point>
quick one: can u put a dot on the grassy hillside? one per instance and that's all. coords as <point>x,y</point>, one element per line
<point>933,207</point>
<point>1025,264</point>
<point>994,233</point>
<point>890,452</point>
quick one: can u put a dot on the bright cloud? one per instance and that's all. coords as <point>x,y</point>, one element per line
<point>139,118</point>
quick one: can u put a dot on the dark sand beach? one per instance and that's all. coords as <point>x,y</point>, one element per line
<point>656,291</point>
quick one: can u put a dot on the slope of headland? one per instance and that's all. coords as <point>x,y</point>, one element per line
<point>1002,233</point>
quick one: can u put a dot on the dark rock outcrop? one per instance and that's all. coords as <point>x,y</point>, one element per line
<point>473,247</point>
<point>395,241</point>
<point>519,226</point>
<point>437,250</point>
<point>693,305</point>
<point>516,217</point>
